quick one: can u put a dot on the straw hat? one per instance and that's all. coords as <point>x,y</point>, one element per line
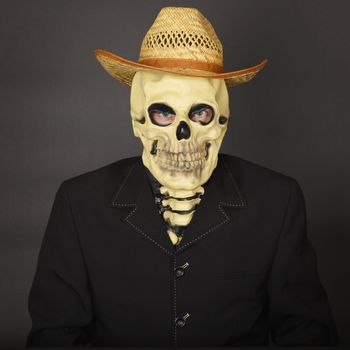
<point>182,41</point>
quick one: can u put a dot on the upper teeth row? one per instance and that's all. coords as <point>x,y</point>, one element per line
<point>181,165</point>
<point>181,156</point>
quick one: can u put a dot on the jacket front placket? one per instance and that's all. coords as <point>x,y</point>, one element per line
<point>221,191</point>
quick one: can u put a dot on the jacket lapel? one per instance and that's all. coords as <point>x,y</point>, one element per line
<point>136,193</point>
<point>221,191</point>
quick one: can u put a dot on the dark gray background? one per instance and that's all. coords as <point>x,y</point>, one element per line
<point>62,115</point>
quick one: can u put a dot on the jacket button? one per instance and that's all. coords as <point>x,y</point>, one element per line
<point>181,321</point>
<point>180,270</point>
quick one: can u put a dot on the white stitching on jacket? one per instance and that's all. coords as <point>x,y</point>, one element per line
<point>180,248</point>
<point>174,276</point>
<point>145,234</point>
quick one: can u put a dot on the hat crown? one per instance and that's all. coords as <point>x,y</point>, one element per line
<point>180,41</point>
<point>182,34</point>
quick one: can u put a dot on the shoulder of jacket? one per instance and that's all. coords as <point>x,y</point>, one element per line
<point>248,172</point>
<point>112,173</point>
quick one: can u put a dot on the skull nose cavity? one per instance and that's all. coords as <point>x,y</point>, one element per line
<point>183,131</point>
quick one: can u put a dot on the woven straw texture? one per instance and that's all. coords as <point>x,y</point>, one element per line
<point>182,33</point>
<point>181,41</point>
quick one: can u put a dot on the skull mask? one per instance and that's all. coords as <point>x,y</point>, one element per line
<point>181,122</point>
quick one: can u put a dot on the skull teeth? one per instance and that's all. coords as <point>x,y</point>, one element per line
<point>184,162</point>
<point>180,161</point>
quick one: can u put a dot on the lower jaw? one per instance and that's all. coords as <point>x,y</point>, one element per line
<point>178,169</point>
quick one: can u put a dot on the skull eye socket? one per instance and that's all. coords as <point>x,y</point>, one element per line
<point>201,113</point>
<point>161,114</point>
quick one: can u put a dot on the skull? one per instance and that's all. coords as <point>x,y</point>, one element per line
<point>181,121</point>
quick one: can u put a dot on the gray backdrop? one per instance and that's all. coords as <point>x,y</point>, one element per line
<point>62,115</point>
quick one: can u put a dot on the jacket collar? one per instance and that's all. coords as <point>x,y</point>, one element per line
<point>135,193</point>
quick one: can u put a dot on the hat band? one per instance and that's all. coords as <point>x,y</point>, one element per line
<point>182,63</point>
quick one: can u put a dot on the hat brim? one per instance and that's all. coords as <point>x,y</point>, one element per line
<point>124,70</point>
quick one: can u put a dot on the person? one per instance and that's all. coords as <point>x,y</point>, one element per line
<point>184,245</point>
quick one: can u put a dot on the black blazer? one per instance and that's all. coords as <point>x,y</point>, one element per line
<point>109,275</point>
